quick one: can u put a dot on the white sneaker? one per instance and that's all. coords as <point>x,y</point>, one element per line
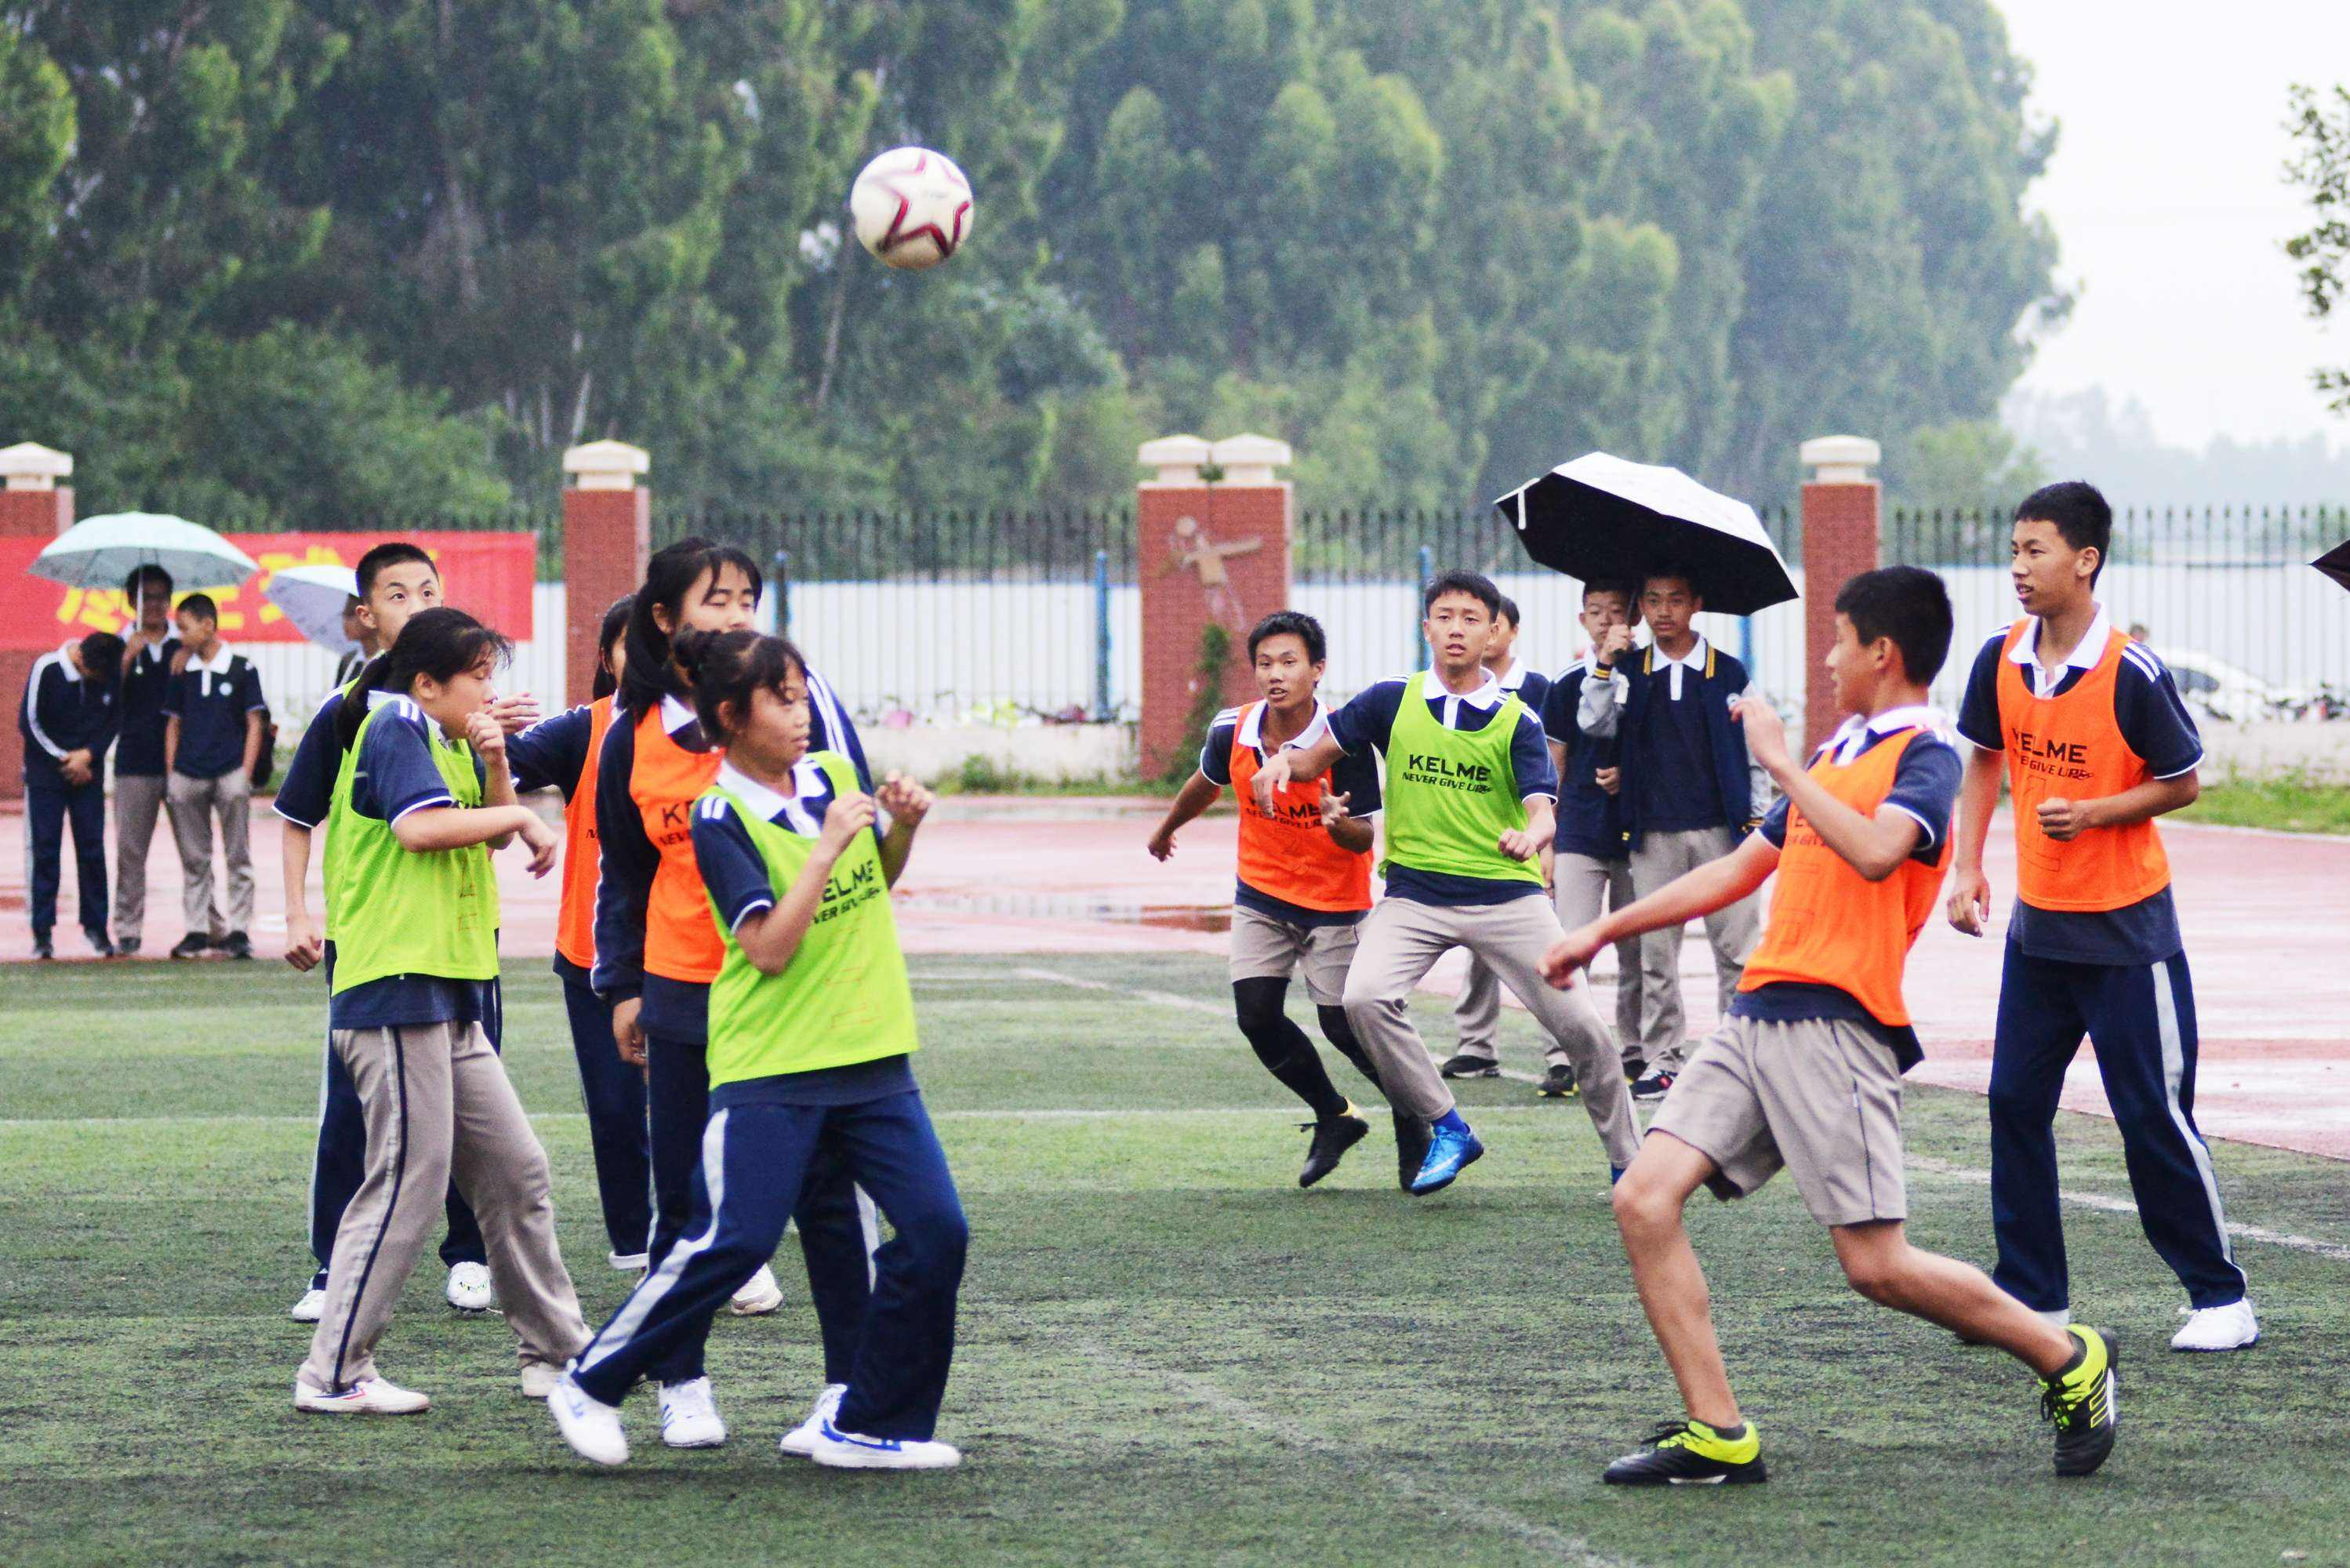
<point>470,1289</point>
<point>847,1451</point>
<point>539,1378</point>
<point>2230,1327</point>
<point>311,1307</point>
<point>368,1396</point>
<point>800,1441</point>
<point>690,1415</point>
<point>627,1263</point>
<point>591,1427</point>
<point>760,1293</point>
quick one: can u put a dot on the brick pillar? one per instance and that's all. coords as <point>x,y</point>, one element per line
<point>608,527</point>
<point>1841,504</point>
<point>33,505</point>
<point>1190,533</point>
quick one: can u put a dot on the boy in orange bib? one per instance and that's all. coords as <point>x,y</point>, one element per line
<point>2096,744</point>
<point>1806,1072</point>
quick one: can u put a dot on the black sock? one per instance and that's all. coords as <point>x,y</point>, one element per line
<point>1283,1047</point>
<point>2073,1364</point>
<point>1340,1032</point>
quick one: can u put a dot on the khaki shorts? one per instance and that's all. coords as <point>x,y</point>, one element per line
<point>1821,1097</point>
<point>1267,949</point>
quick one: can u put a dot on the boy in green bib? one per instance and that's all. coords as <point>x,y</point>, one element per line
<point>811,1026</point>
<point>1469,795</point>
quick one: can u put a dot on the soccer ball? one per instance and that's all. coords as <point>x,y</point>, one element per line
<point>912,207</point>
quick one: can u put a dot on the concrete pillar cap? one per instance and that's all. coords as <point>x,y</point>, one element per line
<point>1840,459</point>
<point>1178,458</point>
<point>29,465</point>
<point>605,465</point>
<point>1250,459</point>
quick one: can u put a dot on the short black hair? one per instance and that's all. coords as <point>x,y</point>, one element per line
<point>1509,612</point>
<point>1671,569</point>
<point>2079,512</point>
<point>1908,604</point>
<point>1292,623</point>
<point>1620,586</point>
<point>102,655</point>
<point>1476,585</point>
<point>200,606</point>
<point>391,553</point>
<point>140,576</point>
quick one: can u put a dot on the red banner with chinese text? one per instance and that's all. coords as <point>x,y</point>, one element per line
<point>489,576</point>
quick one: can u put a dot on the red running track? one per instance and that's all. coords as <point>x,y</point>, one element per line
<point>2266,916</point>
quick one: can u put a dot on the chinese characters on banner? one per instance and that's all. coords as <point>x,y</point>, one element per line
<point>490,576</point>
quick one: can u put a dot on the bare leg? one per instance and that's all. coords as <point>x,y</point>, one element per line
<point>1882,1266</point>
<point>1673,1293</point>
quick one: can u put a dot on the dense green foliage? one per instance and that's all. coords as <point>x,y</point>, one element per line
<point>301,257</point>
<point>2321,169</point>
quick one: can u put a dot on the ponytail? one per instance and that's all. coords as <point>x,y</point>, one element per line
<point>616,624</point>
<point>442,643</point>
<point>670,575</point>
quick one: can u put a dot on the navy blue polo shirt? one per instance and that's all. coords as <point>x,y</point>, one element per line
<point>1925,788</point>
<point>1589,821</point>
<point>211,701</point>
<point>1675,780</point>
<point>392,774</point>
<point>2154,721</point>
<point>736,874</point>
<point>1355,776</point>
<point>1367,721</point>
<point>63,712</point>
<point>146,680</point>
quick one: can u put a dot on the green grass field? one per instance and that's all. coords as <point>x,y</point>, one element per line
<point>1168,1354</point>
<point>2294,803</point>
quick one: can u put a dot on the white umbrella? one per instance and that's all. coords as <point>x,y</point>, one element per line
<point>313,599</point>
<point>100,552</point>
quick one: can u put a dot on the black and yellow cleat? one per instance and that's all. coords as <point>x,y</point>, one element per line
<point>1690,1453</point>
<point>1333,1137</point>
<point>2079,1402</point>
<point>1558,1083</point>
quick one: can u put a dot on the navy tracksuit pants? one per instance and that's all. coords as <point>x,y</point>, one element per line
<point>756,1161</point>
<point>2140,1019</point>
<point>833,1237</point>
<point>339,1163</point>
<point>613,1092</point>
<point>49,805</point>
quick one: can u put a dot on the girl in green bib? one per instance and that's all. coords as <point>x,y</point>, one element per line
<point>422,795</point>
<point>811,1026</point>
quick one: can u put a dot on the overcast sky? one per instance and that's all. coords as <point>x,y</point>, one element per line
<point>2168,200</point>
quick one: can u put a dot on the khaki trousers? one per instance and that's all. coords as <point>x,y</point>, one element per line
<point>194,803</point>
<point>1732,929</point>
<point>438,1107</point>
<point>138,802</point>
<point>1588,888</point>
<point>1401,941</point>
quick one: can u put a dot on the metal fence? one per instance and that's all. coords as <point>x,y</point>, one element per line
<point>1014,616</point>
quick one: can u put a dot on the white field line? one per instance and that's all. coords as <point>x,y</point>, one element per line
<point>1163,998</point>
<point>1391,1480</point>
<point>2105,1205</point>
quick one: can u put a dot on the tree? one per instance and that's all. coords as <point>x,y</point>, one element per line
<point>2320,166</point>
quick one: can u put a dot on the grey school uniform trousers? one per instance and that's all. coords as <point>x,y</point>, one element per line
<point>1586,888</point>
<point>193,804</point>
<point>1732,929</point>
<point>1401,941</point>
<point>138,802</point>
<point>438,1107</point>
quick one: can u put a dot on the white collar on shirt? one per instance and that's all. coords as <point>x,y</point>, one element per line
<point>2084,655</point>
<point>1853,736</point>
<point>218,665</point>
<point>379,696</point>
<point>1252,730</point>
<point>65,664</point>
<point>808,781</point>
<point>1517,678</point>
<point>1694,659</point>
<point>676,714</point>
<point>1485,699</point>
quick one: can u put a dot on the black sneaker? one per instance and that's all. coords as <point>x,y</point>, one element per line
<point>1412,1138</point>
<point>127,947</point>
<point>237,945</point>
<point>193,945</point>
<point>42,950</point>
<point>1464,1065</point>
<point>1654,1085</point>
<point>1690,1453</point>
<point>101,943</point>
<point>1558,1083</point>
<point>1333,1137</point>
<point>2079,1402</point>
<point>1634,1069</point>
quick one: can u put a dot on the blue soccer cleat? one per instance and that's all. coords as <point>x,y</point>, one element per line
<point>1450,1152</point>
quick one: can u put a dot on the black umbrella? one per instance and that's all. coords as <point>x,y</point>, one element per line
<point>2335,564</point>
<point>1600,516</point>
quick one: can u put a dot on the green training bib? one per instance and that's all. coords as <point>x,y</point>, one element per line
<point>1452,793</point>
<point>408,911</point>
<point>844,997</point>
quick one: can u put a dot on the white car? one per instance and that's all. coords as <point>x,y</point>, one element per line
<point>2231,692</point>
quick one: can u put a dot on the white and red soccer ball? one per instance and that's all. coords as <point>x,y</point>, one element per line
<point>912,207</point>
